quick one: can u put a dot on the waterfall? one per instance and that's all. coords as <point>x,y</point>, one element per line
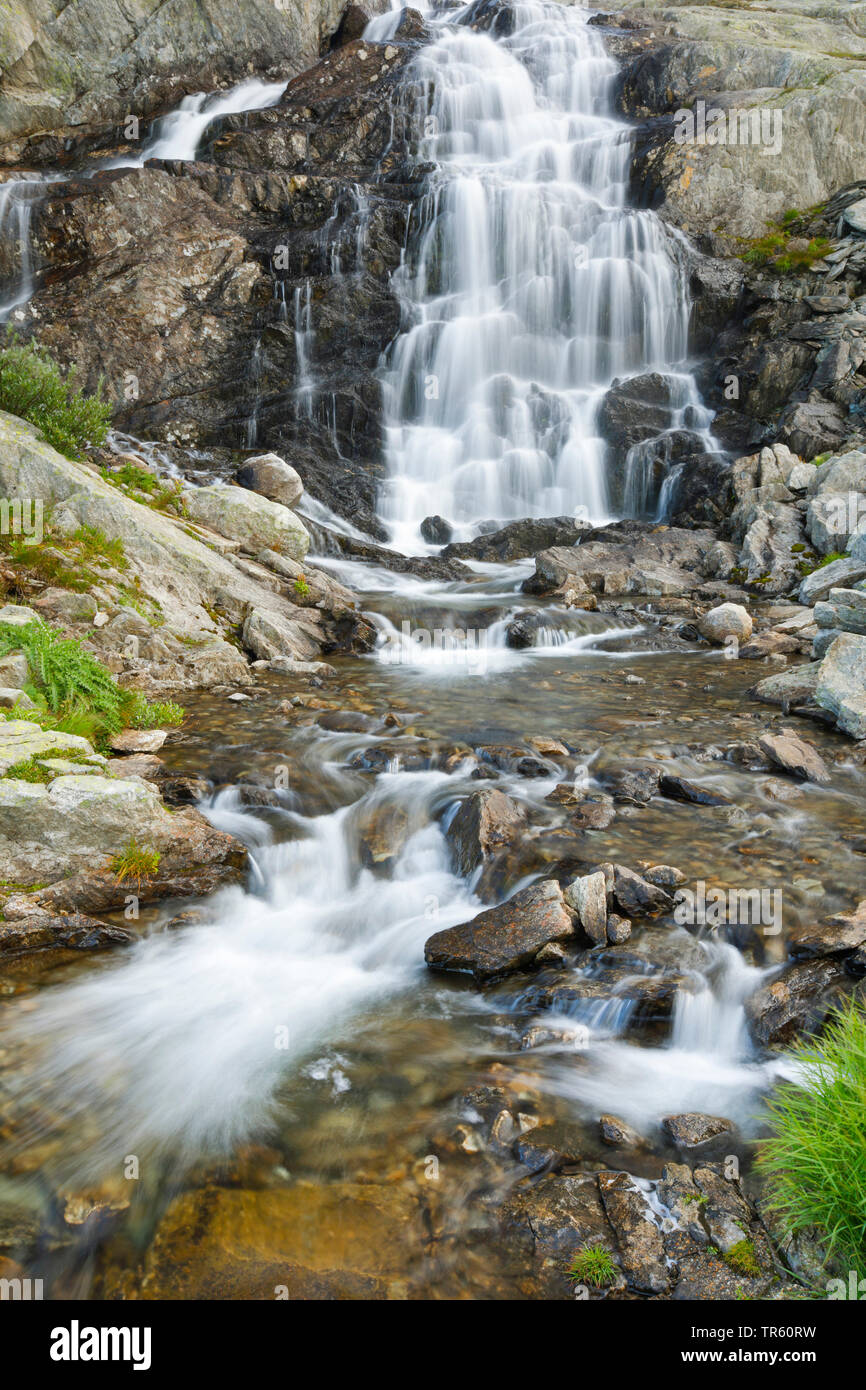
<point>529,284</point>
<point>176,136</point>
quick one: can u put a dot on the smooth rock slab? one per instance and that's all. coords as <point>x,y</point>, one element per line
<point>839,935</point>
<point>793,754</point>
<point>245,516</point>
<point>838,574</point>
<point>505,938</point>
<point>841,686</point>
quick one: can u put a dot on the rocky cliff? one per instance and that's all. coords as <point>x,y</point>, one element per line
<point>69,64</point>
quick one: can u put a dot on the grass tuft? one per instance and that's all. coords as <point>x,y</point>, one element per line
<point>814,1161</point>
<point>136,863</point>
<point>593,1266</point>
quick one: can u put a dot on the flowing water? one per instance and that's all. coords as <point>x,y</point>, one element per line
<point>531,284</point>
<point>284,1046</point>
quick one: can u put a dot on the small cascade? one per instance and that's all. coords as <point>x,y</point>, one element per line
<point>176,136</point>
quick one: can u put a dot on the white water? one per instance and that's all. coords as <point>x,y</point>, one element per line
<point>532,285</point>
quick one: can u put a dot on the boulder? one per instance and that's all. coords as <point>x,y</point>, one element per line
<point>841,686</point>
<point>695,1130</point>
<point>485,822</point>
<point>727,620</point>
<point>637,897</point>
<point>518,539</point>
<point>255,521</point>
<point>797,1001</point>
<point>681,789</point>
<point>435,530</point>
<point>795,686</point>
<point>505,938</point>
<point>14,671</point>
<point>271,636</point>
<point>839,574</point>
<point>837,936</point>
<point>588,897</point>
<point>271,477</point>
<point>793,754</point>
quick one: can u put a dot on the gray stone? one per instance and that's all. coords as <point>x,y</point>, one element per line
<point>588,897</point>
<point>272,477</point>
<point>838,574</point>
<point>841,687</point>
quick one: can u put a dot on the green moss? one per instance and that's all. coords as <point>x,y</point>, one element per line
<point>742,1259</point>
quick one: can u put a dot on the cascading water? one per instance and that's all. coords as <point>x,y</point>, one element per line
<point>176,136</point>
<point>530,285</point>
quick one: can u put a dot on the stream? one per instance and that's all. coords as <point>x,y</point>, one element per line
<point>285,1040</point>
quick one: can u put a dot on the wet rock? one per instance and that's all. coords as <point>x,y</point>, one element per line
<point>273,636</point>
<point>626,558</point>
<point>639,1239</point>
<point>618,929</point>
<point>549,1147</point>
<point>797,1001</point>
<point>272,477</point>
<point>382,829</point>
<point>485,822</point>
<point>27,927</point>
<point>588,898</point>
<point>617,1134</point>
<point>519,539</point>
<point>593,813</point>
<point>841,685</point>
<point>516,760</point>
<point>435,530</point>
<point>681,789</point>
<point>334,1241</point>
<point>636,896</point>
<point>694,1130</point>
<point>840,935</point>
<point>792,753</point>
<point>637,785</point>
<point>727,620</point>
<point>551,1222</point>
<point>505,938</point>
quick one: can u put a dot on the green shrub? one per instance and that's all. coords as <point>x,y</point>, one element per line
<point>35,388</point>
<point>814,1161</point>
